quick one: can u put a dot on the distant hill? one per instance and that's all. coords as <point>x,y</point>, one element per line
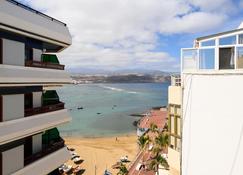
<point>121,78</point>
<point>88,71</point>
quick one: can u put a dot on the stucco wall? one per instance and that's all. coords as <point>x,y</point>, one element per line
<point>36,143</point>
<point>35,23</point>
<point>13,160</point>
<point>46,164</point>
<point>174,159</point>
<point>174,95</point>
<point>13,52</point>
<point>37,99</point>
<point>37,54</point>
<point>212,124</point>
<point>13,107</point>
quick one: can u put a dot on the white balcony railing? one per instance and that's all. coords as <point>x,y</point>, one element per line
<point>175,80</point>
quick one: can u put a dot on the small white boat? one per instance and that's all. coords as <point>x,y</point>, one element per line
<point>77,169</point>
<point>65,168</point>
<point>77,159</point>
<point>107,172</point>
<point>124,159</point>
<point>73,153</point>
<point>74,156</point>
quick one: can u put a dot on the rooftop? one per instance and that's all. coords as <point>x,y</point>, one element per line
<point>35,11</point>
<point>239,29</point>
<point>30,23</point>
<point>157,117</point>
<point>220,52</point>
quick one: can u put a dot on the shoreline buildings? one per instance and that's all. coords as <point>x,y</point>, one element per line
<point>212,83</point>
<point>29,113</point>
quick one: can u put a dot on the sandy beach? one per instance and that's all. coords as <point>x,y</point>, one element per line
<point>102,153</point>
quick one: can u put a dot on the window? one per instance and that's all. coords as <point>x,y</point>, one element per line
<point>28,53</point>
<point>226,58</point>
<point>239,57</point>
<point>208,43</point>
<point>207,58</point>
<point>189,59</point>
<point>240,41</point>
<point>28,100</point>
<point>1,51</point>
<point>1,163</point>
<point>1,108</point>
<point>227,40</point>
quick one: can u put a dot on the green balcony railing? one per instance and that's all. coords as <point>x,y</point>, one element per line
<point>48,61</point>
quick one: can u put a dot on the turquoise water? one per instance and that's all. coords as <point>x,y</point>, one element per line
<point>114,102</point>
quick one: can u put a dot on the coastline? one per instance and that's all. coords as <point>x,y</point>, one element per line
<point>100,136</point>
<point>100,153</point>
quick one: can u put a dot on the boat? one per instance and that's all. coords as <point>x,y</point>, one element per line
<point>65,168</point>
<point>77,160</point>
<point>107,172</point>
<point>74,156</point>
<point>124,159</point>
<point>77,169</point>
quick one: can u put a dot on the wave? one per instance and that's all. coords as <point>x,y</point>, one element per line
<point>118,89</point>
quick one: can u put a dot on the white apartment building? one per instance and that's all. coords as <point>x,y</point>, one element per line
<point>174,123</point>
<point>212,112</point>
<point>30,144</point>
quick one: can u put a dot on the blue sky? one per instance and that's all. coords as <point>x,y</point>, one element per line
<point>137,34</point>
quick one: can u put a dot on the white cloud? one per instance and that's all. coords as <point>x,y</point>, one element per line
<point>223,6</point>
<point>192,23</point>
<point>124,33</point>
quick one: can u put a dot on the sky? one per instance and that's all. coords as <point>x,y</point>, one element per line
<point>136,34</point>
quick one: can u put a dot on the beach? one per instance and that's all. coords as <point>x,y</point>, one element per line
<point>101,153</point>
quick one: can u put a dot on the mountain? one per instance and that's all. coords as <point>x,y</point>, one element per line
<point>89,71</point>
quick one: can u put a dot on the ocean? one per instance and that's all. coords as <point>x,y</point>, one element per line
<point>105,108</point>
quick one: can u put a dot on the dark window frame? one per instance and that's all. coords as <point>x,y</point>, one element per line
<point>1,108</point>
<point>28,96</point>
<point>1,51</point>
<point>1,164</point>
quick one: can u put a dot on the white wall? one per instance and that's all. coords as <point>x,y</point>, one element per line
<point>213,125</point>
<point>37,54</point>
<point>174,159</point>
<point>174,95</point>
<point>13,107</point>
<point>37,99</point>
<point>37,143</point>
<point>46,164</point>
<point>13,160</point>
<point>17,129</point>
<point>29,21</point>
<point>19,74</point>
<point>13,52</point>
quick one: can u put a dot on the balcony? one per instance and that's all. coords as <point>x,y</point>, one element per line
<point>46,65</point>
<point>44,109</point>
<point>222,53</point>
<point>11,74</point>
<point>48,61</point>
<point>33,24</point>
<point>52,160</point>
<point>27,126</point>
<point>52,147</point>
<point>175,80</point>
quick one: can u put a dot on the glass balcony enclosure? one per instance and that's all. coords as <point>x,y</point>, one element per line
<point>48,61</point>
<point>219,52</point>
<point>50,102</point>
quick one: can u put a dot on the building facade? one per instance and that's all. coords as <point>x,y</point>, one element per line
<point>174,123</point>
<point>212,105</point>
<point>29,113</point>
